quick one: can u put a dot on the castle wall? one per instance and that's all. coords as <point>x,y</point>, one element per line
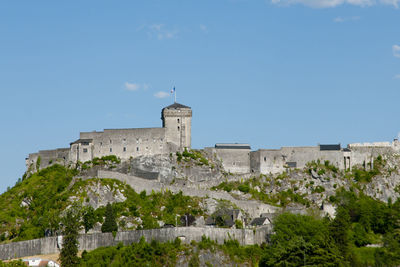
<point>124,143</point>
<point>47,158</point>
<point>364,155</point>
<point>255,157</point>
<point>278,160</point>
<point>233,160</point>
<point>89,242</point>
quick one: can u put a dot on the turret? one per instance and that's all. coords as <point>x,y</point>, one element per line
<point>177,119</point>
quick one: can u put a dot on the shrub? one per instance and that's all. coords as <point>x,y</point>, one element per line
<point>318,189</point>
<point>239,224</point>
<point>245,188</point>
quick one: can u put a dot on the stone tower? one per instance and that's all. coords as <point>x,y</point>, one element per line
<point>177,119</point>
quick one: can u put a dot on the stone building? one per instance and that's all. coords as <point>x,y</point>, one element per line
<point>237,158</point>
<point>175,135</point>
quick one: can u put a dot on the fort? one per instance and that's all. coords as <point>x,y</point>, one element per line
<point>175,135</point>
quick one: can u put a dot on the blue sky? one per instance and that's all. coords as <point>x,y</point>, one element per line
<point>268,73</point>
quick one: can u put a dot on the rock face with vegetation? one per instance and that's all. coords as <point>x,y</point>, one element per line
<point>362,226</point>
<point>318,183</point>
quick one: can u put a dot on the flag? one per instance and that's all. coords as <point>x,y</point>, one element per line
<point>173,90</point>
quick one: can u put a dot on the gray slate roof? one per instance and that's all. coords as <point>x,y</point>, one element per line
<point>329,147</point>
<point>176,106</point>
<point>258,221</point>
<point>232,146</point>
<point>79,141</point>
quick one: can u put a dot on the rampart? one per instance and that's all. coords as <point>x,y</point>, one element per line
<point>49,245</point>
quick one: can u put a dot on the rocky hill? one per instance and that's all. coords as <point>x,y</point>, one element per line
<point>192,188</point>
<point>191,182</point>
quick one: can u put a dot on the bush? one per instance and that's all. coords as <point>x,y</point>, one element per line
<point>318,189</point>
<point>245,188</point>
<point>238,224</point>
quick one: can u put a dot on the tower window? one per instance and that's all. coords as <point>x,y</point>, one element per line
<point>124,149</point>
<point>137,149</point>
<point>110,141</point>
<point>179,128</point>
<point>85,150</point>
<point>110,149</point>
<point>178,120</point>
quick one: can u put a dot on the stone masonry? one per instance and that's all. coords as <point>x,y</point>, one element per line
<point>175,135</point>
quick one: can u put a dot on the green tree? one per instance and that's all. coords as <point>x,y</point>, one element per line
<point>339,230</point>
<point>89,218</point>
<point>300,240</point>
<point>389,255</point>
<point>69,251</point>
<point>109,225</point>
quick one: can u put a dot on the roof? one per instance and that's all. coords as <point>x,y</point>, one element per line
<point>270,216</point>
<point>176,106</point>
<point>229,217</point>
<point>79,141</point>
<point>232,146</point>
<point>329,147</point>
<point>258,221</point>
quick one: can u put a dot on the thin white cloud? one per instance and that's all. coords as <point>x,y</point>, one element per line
<point>136,86</point>
<point>162,94</point>
<point>396,76</point>
<point>394,3</point>
<point>161,32</point>
<point>132,86</point>
<point>345,19</point>
<point>396,50</point>
<point>203,28</point>
<point>335,3</point>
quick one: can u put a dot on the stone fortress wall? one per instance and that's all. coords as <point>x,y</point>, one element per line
<point>51,245</point>
<point>235,157</point>
<point>175,135</point>
<point>274,161</point>
<point>125,143</point>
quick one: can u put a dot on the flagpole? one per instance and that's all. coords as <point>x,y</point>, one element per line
<point>175,95</point>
